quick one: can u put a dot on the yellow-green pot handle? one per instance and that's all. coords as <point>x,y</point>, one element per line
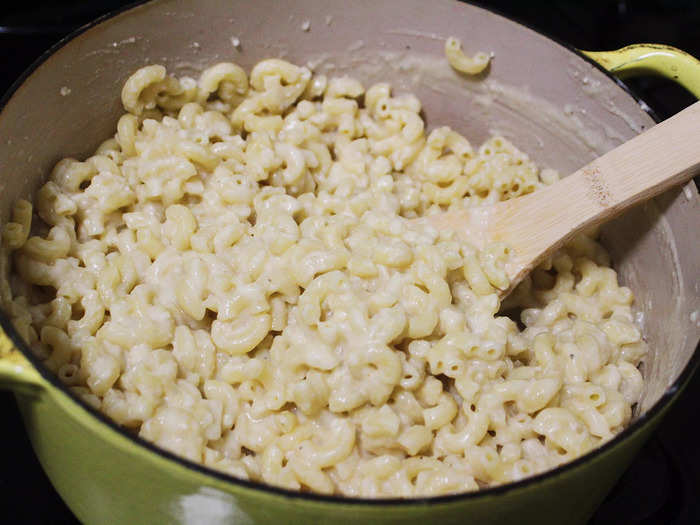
<point>652,59</point>
<point>16,372</point>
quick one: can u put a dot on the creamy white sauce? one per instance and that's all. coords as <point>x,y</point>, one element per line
<point>420,34</point>
<point>688,192</point>
<point>356,45</point>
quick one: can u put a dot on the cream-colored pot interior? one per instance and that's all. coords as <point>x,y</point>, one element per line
<point>560,109</point>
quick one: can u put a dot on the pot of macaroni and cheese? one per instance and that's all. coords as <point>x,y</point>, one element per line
<point>216,304</point>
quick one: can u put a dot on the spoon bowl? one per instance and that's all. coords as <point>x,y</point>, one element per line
<point>536,225</point>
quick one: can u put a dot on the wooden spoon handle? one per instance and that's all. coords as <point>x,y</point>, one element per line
<point>645,166</point>
<point>639,169</point>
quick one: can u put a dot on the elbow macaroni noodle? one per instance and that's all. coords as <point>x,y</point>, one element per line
<point>462,63</point>
<point>233,277</point>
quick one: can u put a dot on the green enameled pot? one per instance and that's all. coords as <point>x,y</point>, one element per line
<point>554,102</point>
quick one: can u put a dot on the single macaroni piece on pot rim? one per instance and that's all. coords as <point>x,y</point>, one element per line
<point>459,61</point>
<point>233,276</point>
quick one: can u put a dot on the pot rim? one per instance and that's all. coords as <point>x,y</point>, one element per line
<point>639,422</point>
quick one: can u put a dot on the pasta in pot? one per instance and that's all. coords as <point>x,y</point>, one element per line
<point>233,277</point>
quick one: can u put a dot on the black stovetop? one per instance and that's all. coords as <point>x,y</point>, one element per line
<point>662,485</point>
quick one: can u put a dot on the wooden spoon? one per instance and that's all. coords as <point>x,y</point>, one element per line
<point>535,225</point>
